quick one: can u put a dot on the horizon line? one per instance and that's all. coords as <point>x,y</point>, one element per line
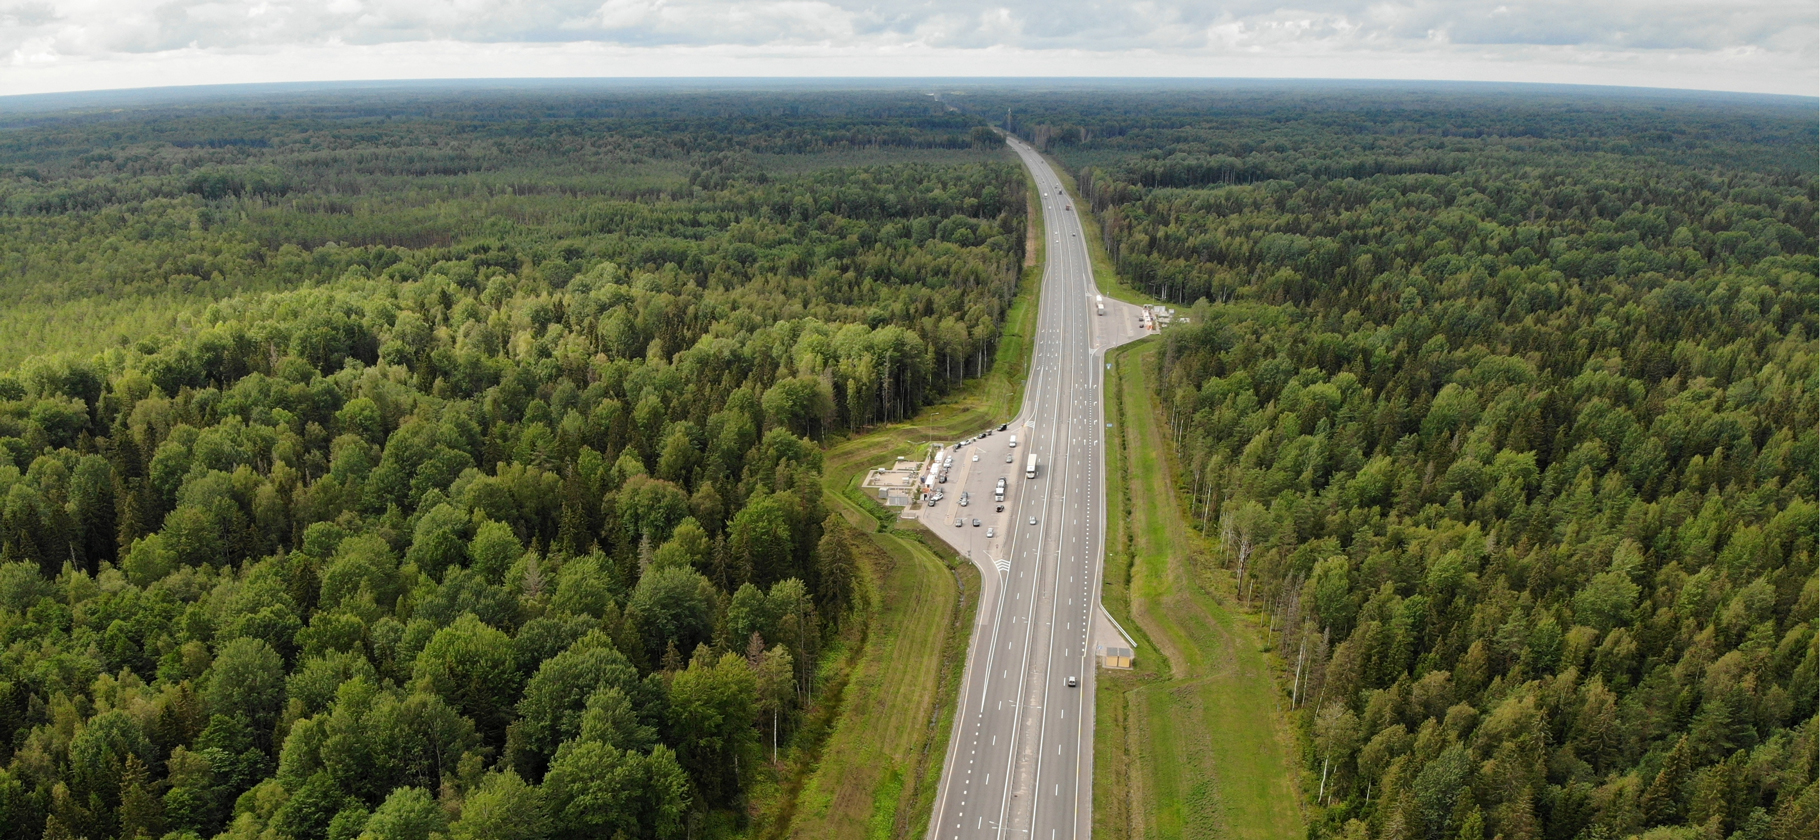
<point>73,99</point>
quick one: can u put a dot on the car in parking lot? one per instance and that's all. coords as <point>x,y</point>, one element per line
<point>976,522</point>
<point>958,523</point>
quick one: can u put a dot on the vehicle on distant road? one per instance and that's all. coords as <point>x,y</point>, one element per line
<point>1033,520</point>
<point>976,522</point>
<point>1030,466</point>
<point>1072,683</point>
<point>1014,441</point>
<point>957,523</point>
<point>988,533</point>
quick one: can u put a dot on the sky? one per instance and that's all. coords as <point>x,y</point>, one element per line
<point>1761,46</point>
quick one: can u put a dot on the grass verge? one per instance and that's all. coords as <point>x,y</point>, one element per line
<point>876,773</point>
<point>1192,742</point>
<point>873,766</point>
<point>882,759</point>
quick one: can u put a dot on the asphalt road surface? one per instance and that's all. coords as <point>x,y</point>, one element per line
<point>1020,758</point>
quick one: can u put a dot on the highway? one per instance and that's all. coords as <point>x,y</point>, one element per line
<point>1020,757</point>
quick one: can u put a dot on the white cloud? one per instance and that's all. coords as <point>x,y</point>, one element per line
<point>1765,45</point>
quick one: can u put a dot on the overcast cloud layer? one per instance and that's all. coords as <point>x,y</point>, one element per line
<point>1767,46</point>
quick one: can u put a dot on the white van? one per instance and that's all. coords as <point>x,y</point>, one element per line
<point>1014,441</point>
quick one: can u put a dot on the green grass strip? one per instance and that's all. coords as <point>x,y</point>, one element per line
<point>1192,743</point>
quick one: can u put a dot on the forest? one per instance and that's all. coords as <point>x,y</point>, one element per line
<point>1500,410</point>
<point>409,466</point>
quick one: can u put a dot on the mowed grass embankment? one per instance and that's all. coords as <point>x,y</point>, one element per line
<point>1192,743</point>
<point>884,754</point>
<point>877,769</point>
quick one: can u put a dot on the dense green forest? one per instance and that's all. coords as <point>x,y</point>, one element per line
<point>449,465</point>
<point>114,225</point>
<point>1502,409</point>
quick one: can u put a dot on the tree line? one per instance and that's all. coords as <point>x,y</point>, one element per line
<point>112,220</point>
<point>442,519</point>
<point>1501,410</point>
